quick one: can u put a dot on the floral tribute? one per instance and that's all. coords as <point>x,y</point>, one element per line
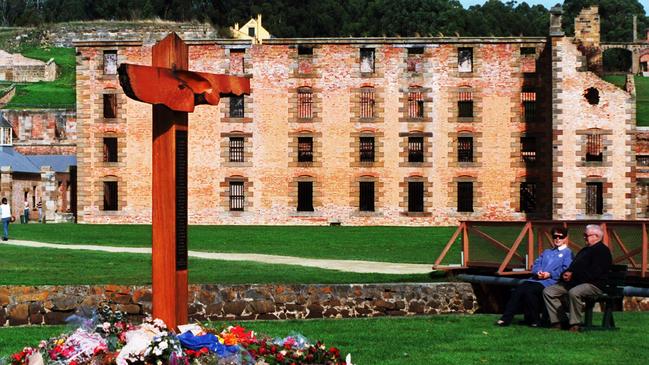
<point>109,339</point>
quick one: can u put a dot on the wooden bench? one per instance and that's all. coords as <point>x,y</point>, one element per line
<point>612,293</point>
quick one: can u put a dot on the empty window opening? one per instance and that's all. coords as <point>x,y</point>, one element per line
<point>415,50</point>
<point>110,105</point>
<point>110,62</point>
<point>367,60</point>
<point>367,102</point>
<point>528,51</point>
<point>528,197</point>
<point>366,196</point>
<point>304,103</point>
<point>110,195</point>
<point>592,96</point>
<point>305,196</point>
<point>237,198</point>
<point>465,59</point>
<point>465,196</point>
<point>465,149</point>
<point>236,149</point>
<point>110,149</point>
<point>366,149</point>
<point>594,149</point>
<point>415,104</point>
<point>594,198</point>
<point>305,149</point>
<point>304,50</point>
<point>415,196</point>
<point>236,106</point>
<point>251,32</point>
<point>415,149</point>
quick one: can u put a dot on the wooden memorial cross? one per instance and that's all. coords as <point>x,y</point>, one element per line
<point>173,91</point>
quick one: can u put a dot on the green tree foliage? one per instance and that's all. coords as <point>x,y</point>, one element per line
<point>616,17</point>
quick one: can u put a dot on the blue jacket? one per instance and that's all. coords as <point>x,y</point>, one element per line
<point>555,262</point>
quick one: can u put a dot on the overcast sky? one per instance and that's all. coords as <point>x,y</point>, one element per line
<point>547,3</point>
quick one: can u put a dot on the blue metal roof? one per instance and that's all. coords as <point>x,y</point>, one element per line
<point>32,163</point>
<point>60,163</point>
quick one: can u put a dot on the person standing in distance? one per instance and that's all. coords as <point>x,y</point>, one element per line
<point>5,215</point>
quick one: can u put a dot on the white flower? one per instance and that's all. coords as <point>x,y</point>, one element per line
<point>105,326</point>
<point>164,345</point>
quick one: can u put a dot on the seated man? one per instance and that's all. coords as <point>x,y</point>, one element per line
<point>586,276</point>
<point>546,271</point>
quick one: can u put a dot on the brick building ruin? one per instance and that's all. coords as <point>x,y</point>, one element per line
<point>371,131</point>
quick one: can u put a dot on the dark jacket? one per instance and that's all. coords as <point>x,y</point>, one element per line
<point>591,265</point>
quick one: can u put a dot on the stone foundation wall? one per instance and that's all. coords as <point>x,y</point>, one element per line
<point>22,305</point>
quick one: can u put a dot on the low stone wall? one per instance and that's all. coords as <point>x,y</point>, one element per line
<point>22,305</point>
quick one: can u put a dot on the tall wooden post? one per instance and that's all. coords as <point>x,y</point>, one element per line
<point>169,246</point>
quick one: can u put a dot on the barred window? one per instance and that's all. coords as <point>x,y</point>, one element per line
<point>465,196</point>
<point>465,59</point>
<point>6,136</point>
<point>528,149</point>
<point>110,195</point>
<point>110,105</point>
<point>366,196</point>
<point>305,196</point>
<point>528,99</point>
<point>110,149</point>
<point>594,148</point>
<point>367,60</point>
<point>642,160</point>
<point>415,196</point>
<point>110,62</point>
<point>465,103</point>
<point>305,149</point>
<point>415,104</point>
<point>237,197</point>
<point>415,149</point>
<point>304,103</point>
<point>236,149</point>
<point>465,149</point>
<point>528,197</point>
<point>594,198</point>
<point>236,106</point>
<point>366,149</point>
<point>367,102</point>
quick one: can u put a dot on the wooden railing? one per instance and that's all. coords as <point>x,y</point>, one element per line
<point>496,245</point>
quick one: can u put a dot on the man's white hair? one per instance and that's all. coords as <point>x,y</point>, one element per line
<point>595,228</point>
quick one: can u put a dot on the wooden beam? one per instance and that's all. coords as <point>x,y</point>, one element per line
<point>448,246</point>
<point>494,242</point>
<point>514,247</point>
<point>623,248</point>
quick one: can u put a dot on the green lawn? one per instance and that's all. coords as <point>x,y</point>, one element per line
<point>642,96</point>
<point>390,244</point>
<point>60,93</point>
<point>443,339</point>
<point>39,266</point>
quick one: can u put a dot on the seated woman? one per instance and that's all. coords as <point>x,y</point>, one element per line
<point>546,271</point>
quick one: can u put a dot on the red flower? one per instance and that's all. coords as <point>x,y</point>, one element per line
<point>273,349</point>
<point>279,357</point>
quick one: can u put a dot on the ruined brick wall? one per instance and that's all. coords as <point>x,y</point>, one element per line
<point>271,127</point>
<point>43,131</point>
<point>29,73</point>
<point>588,37</point>
<point>641,148</point>
<point>21,305</point>
<point>611,116</point>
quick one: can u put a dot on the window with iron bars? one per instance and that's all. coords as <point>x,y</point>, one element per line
<point>528,197</point>
<point>236,149</point>
<point>367,102</point>
<point>528,98</point>
<point>465,149</point>
<point>305,149</point>
<point>305,103</point>
<point>415,149</point>
<point>237,197</point>
<point>110,149</point>
<point>594,148</point>
<point>366,196</point>
<point>366,148</point>
<point>415,196</point>
<point>465,104</point>
<point>237,106</point>
<point>594,198</point>
<point>528,149</point>
<point>642,160</point>
<point>415,104</point>
<point>465,196</point>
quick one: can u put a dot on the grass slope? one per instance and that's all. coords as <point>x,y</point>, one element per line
<point>60,93</point>
<point>37,266</point>
<point>390,244</point>
<point>443,339</point>
<point>642,96</point>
